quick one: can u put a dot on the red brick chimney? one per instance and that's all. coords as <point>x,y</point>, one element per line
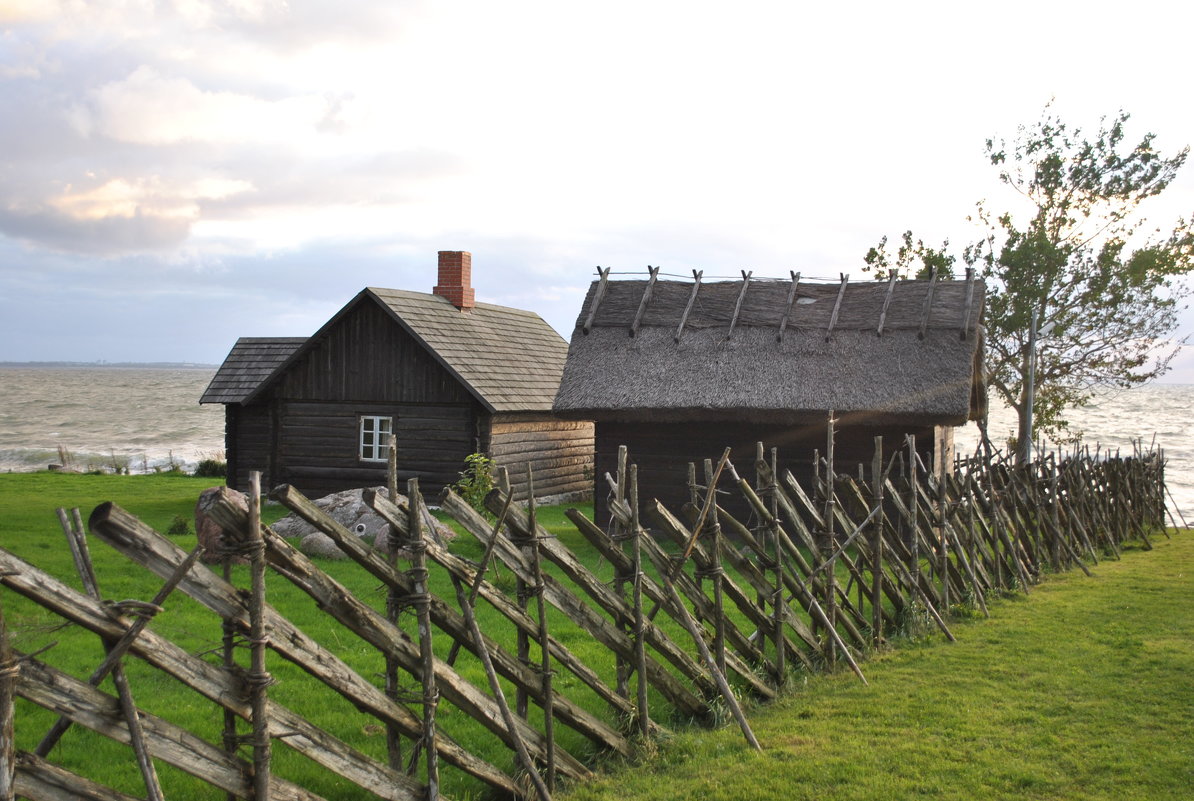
<point>456,278</point>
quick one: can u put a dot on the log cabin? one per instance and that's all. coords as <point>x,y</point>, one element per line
<point>442,374</point>
<point>679,370</point>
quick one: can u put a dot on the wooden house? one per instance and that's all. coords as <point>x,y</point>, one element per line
<point>445,375</point>
<point>678,370</point>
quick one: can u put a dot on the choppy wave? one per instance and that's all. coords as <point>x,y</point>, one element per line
<point>107,418</point>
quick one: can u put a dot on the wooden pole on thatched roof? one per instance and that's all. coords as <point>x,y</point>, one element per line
<point>891,280</point>
<point>969,302</point>
<point>642,304</point>
<point>738,305</point>
<point>598,296</point>
<point>696,286</point>
<point>928,307</point>
<point>837,306</point>
<point>783,323</point>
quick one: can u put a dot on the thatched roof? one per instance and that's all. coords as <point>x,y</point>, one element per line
<point>509,360</point>
<point>250,362</point>
<point>923,366</point>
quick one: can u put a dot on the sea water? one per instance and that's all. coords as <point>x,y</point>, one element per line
<point>139,419</point>
<point>143,419</point>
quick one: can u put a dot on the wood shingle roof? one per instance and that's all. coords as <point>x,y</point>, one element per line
<point>251,361</point>
<point>510,360</point>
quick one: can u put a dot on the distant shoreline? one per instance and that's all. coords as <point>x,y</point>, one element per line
<point>124,365</point>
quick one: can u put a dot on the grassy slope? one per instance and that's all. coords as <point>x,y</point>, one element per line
<point>1080,691</point>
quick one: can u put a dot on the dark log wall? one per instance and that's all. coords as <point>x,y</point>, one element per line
<point>662,452</point>
<point>318,445</point>
<point>560,453</point>
<point>247,442</point>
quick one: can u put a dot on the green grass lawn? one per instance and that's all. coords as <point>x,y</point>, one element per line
<point>1081,690</point>
<point>30,528</point>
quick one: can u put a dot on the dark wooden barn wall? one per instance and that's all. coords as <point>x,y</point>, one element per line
<point>560,453</point>
<point>247,443</point>
<point>662,452</point>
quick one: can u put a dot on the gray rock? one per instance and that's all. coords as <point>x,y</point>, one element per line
<point>349,510</point>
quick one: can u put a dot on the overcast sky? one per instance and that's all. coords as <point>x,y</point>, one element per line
<point>176,174</point>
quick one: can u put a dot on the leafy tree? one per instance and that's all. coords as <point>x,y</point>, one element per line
<point>1105,288</point>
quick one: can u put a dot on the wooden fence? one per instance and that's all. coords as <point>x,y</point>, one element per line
<point>703,608</point>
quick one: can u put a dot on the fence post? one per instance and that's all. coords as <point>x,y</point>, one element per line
<point>777,601</point>
<point>877,545</point>
<point>830,513</point>
<point>421,600</point>
<point>623,668</point>
<point>230,740</point>
<point>914,523</point>
<point>544,651</point>
<point>640,625</point>
<point>10,669</point>
<point>393,607</point>
<point>258,679</point>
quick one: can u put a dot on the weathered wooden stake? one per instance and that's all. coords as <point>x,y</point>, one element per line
<point>913,507</point>
<point>230,739</point>
<point>495,687</point>
<point>393,607</point>
<point>620,576</point>
<point>421,600</point>
<point>545,671</point>
<point>830,515</point>
<point>10,669</point>
<point>718,575</point>
<point>777,600</point>
<point>77,539</point>
<point>643,720</point>
<point>877,545</point>
<point>723,686</point>
<point>258,678</point>
<point>117,651</point>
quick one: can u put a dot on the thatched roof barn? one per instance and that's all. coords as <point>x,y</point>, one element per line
<point>445,375</point>
<point>677,370</point>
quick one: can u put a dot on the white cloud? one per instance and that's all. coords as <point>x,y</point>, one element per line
<point>151,196</point>
<point>153,109</point>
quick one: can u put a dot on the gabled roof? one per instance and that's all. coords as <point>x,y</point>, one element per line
<point>251,361</point>
<point>730,358</point>
<point>509,360</point>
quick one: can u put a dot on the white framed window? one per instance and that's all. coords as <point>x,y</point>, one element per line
<point>375,437</point>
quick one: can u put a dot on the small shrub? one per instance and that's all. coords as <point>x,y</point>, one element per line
<point>476,480</point>
<point>211,468</point>
<point>179,527</point>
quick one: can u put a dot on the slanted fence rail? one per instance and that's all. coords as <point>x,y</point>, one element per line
<point>694,607</point>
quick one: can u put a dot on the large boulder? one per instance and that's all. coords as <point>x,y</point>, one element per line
<point>209,533</point>
<point>349,509</point>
